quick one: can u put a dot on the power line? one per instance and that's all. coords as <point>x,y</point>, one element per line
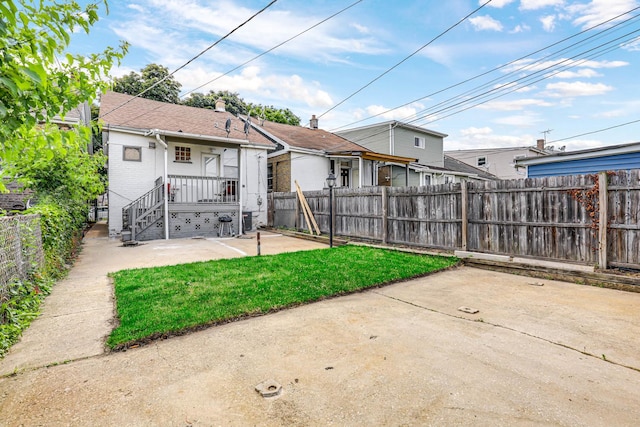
<point>193,59</point>
<point>405,59</point>
<point>595,131</point>
<point>274,48</point>
<point>498,68</point>
<point>509,87</point>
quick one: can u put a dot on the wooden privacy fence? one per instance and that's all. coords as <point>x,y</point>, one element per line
<point>590,219</point>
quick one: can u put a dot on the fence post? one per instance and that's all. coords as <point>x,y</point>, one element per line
<point>464,200</point>
<point>385,213</point>
<point>297,214</point>
<point>603,219</point>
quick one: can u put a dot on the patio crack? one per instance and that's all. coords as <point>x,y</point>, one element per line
<point>497,325</point>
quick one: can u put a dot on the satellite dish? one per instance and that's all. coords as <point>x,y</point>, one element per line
<point>227,126</point>
<point>247,126</point>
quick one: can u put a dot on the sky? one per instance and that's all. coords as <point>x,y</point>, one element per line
<point>510,73</point>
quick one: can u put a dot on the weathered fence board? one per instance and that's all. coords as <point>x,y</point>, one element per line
<point>539,218</point>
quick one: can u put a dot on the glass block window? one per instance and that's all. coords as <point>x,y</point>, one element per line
<point>183,154</point>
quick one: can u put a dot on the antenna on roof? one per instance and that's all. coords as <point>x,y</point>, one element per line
<point>227,126</point>
<point>545,132</point>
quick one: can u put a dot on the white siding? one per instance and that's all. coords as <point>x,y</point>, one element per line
<point>130,180</point>
<point>310,171</point>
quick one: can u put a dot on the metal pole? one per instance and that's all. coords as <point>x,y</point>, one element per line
<point>258,243</point>
<point>330,217</point>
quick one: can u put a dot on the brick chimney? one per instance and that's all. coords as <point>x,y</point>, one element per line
<point>220,105</point>
<point>313,123</point>
<point>540,144</point>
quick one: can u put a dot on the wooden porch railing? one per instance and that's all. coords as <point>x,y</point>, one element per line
<point>202,189</point>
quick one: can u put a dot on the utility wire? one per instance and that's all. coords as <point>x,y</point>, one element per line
<point>594,131</point>
<point>488,72</point>
<point>274,48</point>
<point>192,59</point>
<point>508,87</point>
<point>406,58</point>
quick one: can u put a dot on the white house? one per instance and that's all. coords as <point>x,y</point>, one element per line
<point>308,155</point>
<point>500,162</point>
<point>175,171</point>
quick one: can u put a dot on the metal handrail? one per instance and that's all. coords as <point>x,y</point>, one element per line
<point>203,189</point>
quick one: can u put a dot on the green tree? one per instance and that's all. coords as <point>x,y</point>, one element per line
<point>273,114</point>
<point>38,80</point>
<point>233,103</point>
<point>167,88</point>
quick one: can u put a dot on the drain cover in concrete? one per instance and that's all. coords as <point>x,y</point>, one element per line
<point>468,310</point>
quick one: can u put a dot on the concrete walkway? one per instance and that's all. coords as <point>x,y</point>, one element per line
<point>537,353</point>
<point>77,317</point>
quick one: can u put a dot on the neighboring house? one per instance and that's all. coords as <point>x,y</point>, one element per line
<point>402,139</point>
<point>611,158</point>
<point>308,155</point>
<point>175,171</point>
<point>499,162</point>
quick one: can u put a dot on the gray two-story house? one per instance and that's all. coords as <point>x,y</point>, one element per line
<point>402,139</point>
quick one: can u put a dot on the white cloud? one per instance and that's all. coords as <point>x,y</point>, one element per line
<point>632,46</point>
<point>485,23</point>
<point>136,7</point>
<point>566,89</point>
<point>539,4</point>
<point>289,90</point>
<point>483,137</point>
<point>524,120</point>
<point>532,65</point>
<point>398,114</point>
<point>548,23</point>
<point>521,28</point>
<point>328,41</point>
<point>496,3</point>
<point>598,11</point>
<point>610,114</point>
<point>581,73</point>
<point>515,105</point>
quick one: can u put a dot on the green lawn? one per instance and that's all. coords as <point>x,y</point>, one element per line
<point>154,302</point>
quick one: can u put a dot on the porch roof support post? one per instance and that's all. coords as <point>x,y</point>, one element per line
<point>165,180</point>
<point>360,172</point>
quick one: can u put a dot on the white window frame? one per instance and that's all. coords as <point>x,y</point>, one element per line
<point>418,142</point>
<point>184,156</point>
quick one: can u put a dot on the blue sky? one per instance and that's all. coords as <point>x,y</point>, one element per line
<point>589,86</point>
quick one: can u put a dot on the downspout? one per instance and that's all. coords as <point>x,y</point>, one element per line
<point>391,139</point>
<point>165,188</point>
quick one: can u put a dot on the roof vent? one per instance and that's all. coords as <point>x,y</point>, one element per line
<point>220,105</point>
<point>313,123</point>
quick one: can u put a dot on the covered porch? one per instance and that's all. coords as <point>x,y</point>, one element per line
<point>200,206</point>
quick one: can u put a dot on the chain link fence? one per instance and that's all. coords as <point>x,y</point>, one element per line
<point>21,252</point>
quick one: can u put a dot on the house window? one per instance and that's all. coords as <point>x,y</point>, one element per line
<point>448,179</point>
<point>418,142</point>
<point>270,177</point>
<point>482,161</point>
<point>132,154</point>
<point>183,154</point>
<point>427,180</point>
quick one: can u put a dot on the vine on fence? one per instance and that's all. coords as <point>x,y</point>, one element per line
<point>589,199</point>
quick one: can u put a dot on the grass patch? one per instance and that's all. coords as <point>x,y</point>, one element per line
<point>161,301</point>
